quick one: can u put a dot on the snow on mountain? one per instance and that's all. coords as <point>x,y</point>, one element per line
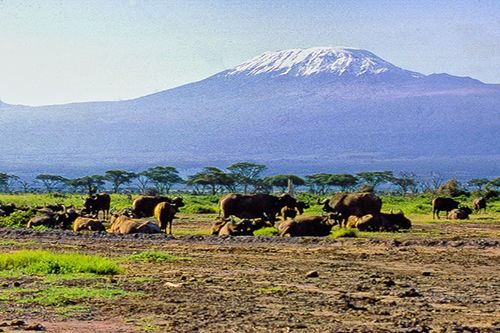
<point>318,60</point>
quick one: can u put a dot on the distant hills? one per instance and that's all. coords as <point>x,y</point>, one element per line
<point>300,110</point>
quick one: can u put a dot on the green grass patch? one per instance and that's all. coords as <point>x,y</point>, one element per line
<point>11,242</point>
<point>268,231</point>
<point>155,256</point>
<point>62,296</point>
<point>344,233</point>
<point>45,262</point>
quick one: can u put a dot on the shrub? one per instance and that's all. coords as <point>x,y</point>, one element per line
<point>18,219</point>
<point>269,231</point>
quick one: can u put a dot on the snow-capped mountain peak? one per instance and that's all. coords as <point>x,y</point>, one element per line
<point>338,61</point>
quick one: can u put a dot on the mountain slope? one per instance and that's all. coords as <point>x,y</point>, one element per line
<point>319,109</point>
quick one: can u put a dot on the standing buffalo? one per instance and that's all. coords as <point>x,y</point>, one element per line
<point>254,206</point>
<point>96,203</point>
<point>443,204</point>
<point>164,213</point>
<point>144,205</point>
<point>357,204</point>
<point>479,203</point>
<point>305,226</point>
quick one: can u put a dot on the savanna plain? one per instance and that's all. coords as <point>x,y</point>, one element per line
<point>439,276</point>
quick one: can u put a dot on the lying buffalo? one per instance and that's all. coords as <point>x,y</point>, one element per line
<point>144,205</point>
<point>356,204</point>
<point>254,206</point>
<point>379,222</point>
<point>461,213</point>
<point>7,209</point>
<point>305,226</point>
<point>245,227</point>
<point>54,219</point>
<point>87,224</point>
<point>443,204</point>
<point>96,203</point>
<point>122,224</point>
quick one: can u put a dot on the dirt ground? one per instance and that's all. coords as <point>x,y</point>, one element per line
<point>449,282</point>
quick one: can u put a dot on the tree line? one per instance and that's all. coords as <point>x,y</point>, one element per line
<point>245,177</point>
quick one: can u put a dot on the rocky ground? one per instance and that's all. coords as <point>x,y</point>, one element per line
<point>449,282</point>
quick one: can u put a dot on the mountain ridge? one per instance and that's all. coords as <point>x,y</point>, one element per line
<point>291,121</point>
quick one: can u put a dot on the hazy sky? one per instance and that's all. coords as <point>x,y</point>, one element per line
<point>66,51</point>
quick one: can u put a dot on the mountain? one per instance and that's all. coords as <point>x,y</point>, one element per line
<point>299,110</point>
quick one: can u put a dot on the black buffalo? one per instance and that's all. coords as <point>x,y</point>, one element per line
<point>264,206</point>
<point>352,204</point>
<point>96,203</point>
<point>440,204</point>
<point>144,206</point>
<point>479,203</point>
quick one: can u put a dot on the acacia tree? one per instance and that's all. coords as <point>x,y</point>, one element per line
<point>213,178</point>
<point>374,178</point>
<point>478,183</point>
<point>50,182</point>
<point>281,181</point>
<point>246,173</point>
<point>318,183</point>
<point>118,178</point>
<point>345,182</point>
<point>88,184</point>
<point>407,182</point>
<point>163,177</point>
<point>7,181</point>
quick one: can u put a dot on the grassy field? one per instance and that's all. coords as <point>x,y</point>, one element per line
<point>204,209</point>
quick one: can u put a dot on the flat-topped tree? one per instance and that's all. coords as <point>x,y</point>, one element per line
<point>163,177</point>
<point>50,182</point>
<point>88,184</point>
<point>214,178</point>
<point>118,178</point>
<point>374,178</point>
<point>247,173</point>
<point>7,181</point>
<point>281,181</point>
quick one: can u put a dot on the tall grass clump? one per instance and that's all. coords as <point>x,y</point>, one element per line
<point>45,262</point>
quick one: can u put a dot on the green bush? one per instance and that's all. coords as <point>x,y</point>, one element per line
<point>18,219</point>
<point>269,231</point>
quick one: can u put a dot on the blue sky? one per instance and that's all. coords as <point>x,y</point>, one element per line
<point>66,51</point>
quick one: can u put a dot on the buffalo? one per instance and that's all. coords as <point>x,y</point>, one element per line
<point>305,226</point>
<point>379,222</point>
<point>88,224</point>
<point>96,203</point>
<point>288,213</point>
<point>122,224</point>
<point>253,206</point>
<point>144,205</point>
<point>461,213</point>
<point>479,203</point>
<point>164,213</point>
<point>357,204</point>
<point>62,219</point>
<point>245,227</point>
<point>443,204</point>
<point>7,209</point>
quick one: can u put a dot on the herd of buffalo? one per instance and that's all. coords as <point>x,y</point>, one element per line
<point>255,211</point>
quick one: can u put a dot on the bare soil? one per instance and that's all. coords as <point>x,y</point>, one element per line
<point>448,282</point>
